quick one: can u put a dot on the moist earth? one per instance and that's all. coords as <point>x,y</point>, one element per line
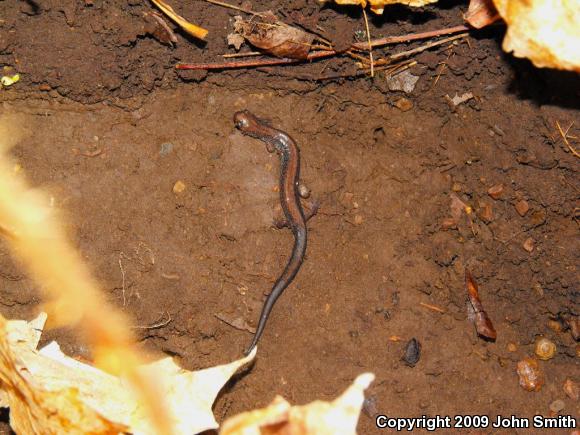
<point>109,127</point>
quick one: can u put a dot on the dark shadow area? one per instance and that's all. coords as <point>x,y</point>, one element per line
<point>5,421</point>
<point>543,85</point>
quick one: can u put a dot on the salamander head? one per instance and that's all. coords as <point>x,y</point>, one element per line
<point>246,122</point>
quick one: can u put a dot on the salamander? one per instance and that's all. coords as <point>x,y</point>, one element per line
<point>280,142</point>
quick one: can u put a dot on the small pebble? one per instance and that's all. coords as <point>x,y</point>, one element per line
<point>574,325</point>
<point>529,244</point>
<point>486,213</point>
<point>358,219</point>
<point>456,187</point>
<point>303,191</point>
<point>512,347</point>
<point>557,405</point>
<point>178,187</point>
<point>545,349</point>
<point>370,406</point>
<point>448,223</point>
<point>404,104</point>
<point>554,325</point>
<point>572,389</point>
<point>412,352</point>
<point>530,374</point>
<point>166,148</point>
<point>522,207</point>
<point>495,191</point>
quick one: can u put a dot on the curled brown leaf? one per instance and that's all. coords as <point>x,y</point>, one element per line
<point>269,34</point>
<point>483,324</point>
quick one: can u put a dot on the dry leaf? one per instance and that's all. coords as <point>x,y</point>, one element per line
<point>48,392</point>
<point>235,40</point>
<point>190,28</point>
<point>378,6</point>
<point>275,37</point>
<point>321,418</point>
<point>483,324</point>
<point>481,13</point>
<point>156,26</point>
<point>544,31</point>
<point>457,207</point>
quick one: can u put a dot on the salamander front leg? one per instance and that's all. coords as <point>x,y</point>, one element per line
<point>309,207</point>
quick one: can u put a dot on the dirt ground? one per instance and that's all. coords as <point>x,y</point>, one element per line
<point>110,127</point>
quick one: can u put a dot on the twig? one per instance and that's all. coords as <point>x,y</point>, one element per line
<point>426,46</point>
<point>245,54</point>
<point>123,276</point>
<point>432,307</point>
<point>443,65</point>
<point>369,41</point>
<point>411,37</point>
<point>360,73</point>
<point>237,8</point>
<point>565,138</point>
<point>320,54</point>
<point>160,324</point>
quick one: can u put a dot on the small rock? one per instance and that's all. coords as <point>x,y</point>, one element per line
<point>456,187</point>
<point>571,389</point>
<point>404,81</point>
<point>486,213</point>
<point>545,349</point>
<point>358,219</point>
<point>574,325</point>
<point>554,325</point>
<point>44,87</point>
<point>530,374</point>
<point>495,191</point>
<point>448,223</point>
<point>166,148</point>
<point>512,347</point>
<point>178,187</point>
<point>529,244</point>
<point>412,352</point>
<point>557,405</point>
<point>522,207</point>
<point>369,406</point>
<point>404,104</point>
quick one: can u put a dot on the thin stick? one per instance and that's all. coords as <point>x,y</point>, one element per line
<point>360,73</point>
<point>237,8</point>
<point>319,54</point>
<point>565,139</point>
<point>246,54</point>
<point>410,37</point>
<point>420,49</point>
<point>432,307</point>
<point>427,46</point>
<point>123,282</point>
<point>160,324</point>
<point>234,65</point>
<point>369,41</point>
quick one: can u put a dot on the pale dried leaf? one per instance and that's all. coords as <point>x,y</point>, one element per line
<point>481,13</point>
<point>544,31</point>
<point>321,418</point>
<point>378,6</point>
<point>235,40</point>
<point>45,389</point>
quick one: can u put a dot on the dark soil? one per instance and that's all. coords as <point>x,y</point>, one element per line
<point>110,127</point>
